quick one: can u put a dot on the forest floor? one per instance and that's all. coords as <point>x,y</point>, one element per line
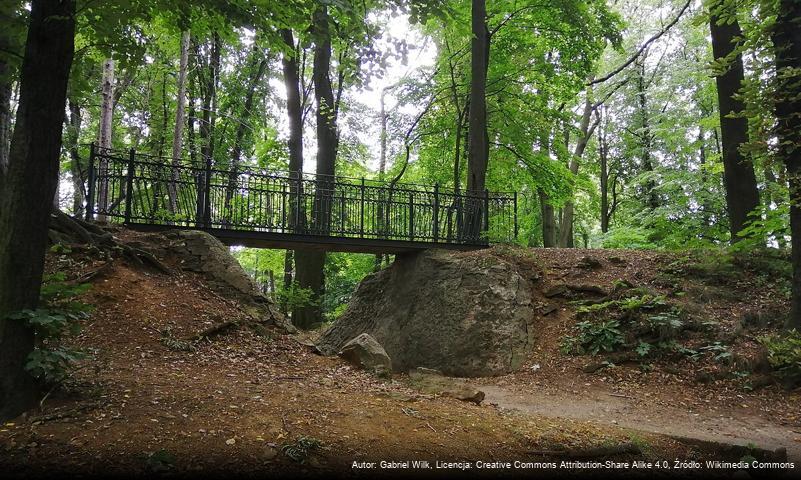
<point>251,402</point>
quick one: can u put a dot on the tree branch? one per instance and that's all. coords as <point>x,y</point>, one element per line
<point>642,48</point>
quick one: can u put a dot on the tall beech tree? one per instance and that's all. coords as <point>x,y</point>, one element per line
<point>180,120</point>
<point>290,63</point>
<point>27,187</point>
<point>478,152</point>
<point>787,45</point>
<point>310,263</point>
<point>742,196</point>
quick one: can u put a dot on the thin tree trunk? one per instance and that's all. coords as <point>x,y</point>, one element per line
<point>742,196</point>
<point>548,220</point>
<point>27,188</point>
<point>382,165</point>
<point>478,153</point>
<point>105,132</point>
<point>178,131</point>
<point>603,154</point>
<point>192,147</point>
<point>646,137</point>
<point>76,171</point>
<point>586,130</point>
<point>787,45</point>
<point>310,264</point>
<point>5,109</point>
<point>290,64</point>
<point>206,132</point>
<point>239,137</point>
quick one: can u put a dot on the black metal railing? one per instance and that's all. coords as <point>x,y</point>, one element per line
<point>141,189</point>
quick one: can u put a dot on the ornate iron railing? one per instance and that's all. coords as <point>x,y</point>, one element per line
<point>140,189</point>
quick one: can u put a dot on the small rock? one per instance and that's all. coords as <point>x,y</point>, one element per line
<point>365,351</point>
<point>548,309</point>
<point>270,453</point>
<point>555,291</point>
<point>466,394</point>
<point>589,263</point>
<point>594,367</point>
<point>617,260</point>
<point>230,441</point>
<point>704,377</point>
<point>591,289</point>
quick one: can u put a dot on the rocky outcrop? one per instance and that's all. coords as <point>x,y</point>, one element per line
<point>197,251</point>
<point>365,352</point>
<point>465,314</point>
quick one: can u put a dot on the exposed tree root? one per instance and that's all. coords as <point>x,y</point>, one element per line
<point>66,229</point>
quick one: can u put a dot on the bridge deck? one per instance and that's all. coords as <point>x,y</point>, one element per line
<point>251,207</point>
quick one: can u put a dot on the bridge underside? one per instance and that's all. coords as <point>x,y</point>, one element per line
<point>312,242</point>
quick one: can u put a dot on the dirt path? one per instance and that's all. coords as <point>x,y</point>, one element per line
<point>606,408</point>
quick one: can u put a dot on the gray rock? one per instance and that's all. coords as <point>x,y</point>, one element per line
<point>466,394</point>
<point>364,351</point>
<point>464,314</point>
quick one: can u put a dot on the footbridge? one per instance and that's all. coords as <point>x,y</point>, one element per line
<point>243,205</point>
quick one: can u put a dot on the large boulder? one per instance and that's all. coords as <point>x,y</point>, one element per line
<point>465,314</point>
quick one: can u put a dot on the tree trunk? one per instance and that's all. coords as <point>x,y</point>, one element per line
<point>76,171</point>
<point>294,108</point>
<point>548,220</point>
<point>239,137</point>
<point>787,44</point>
<point>382,166</point>
<point>27,188</point>
<point>206,131</point>
<point>586,130</point>
<point>191,143</point>
<point>310,264</point>
<point>5,110</point>
<point>603,154</point>
<point>478,153</point>
<point>742,195</point>
<point>178,131</point>
<point>646,137</point>
<point>105,132</point>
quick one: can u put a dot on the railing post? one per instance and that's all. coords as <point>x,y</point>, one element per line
<point>486,212</point>
<point>207,195</point>
<point>436,212</point>
<point>283,207</point>
<point>411,216</point>
<point>129,186</point>
<point>90,200</point>
<point>361,210</point>
<point>298,200</point>
<point>515,202</point>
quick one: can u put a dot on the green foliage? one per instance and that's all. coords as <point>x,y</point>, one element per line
<point>627,237</point>
<point>639,320</point>
<point>300,450</point>
<point>593,338</point>
<point>296,297</point>
<point>784,353</point>
<point>718,350</point>
<point>59,315</point>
